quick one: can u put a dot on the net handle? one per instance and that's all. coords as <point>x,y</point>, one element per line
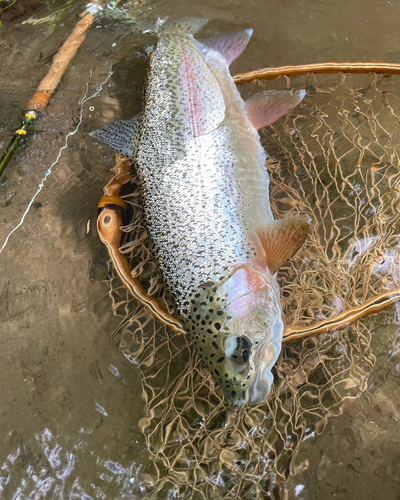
<point>345,318</point>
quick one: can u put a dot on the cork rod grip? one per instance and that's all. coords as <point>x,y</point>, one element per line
<point>60,62</point>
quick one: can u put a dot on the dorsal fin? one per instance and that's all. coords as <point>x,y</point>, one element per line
<point>265,108</point>
<point>230,45</point>
<point>120,135</point>
<point>281,239</point>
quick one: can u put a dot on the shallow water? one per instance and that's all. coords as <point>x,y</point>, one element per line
<point>70,401</point>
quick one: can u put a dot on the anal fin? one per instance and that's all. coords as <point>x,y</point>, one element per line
<point>281,239</point>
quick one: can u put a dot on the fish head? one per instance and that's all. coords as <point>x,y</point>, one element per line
<point>236,327</point>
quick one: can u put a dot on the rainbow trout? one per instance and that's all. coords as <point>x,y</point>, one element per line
<point>206,190</point>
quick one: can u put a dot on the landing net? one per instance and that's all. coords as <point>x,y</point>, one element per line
<point>335,158</point>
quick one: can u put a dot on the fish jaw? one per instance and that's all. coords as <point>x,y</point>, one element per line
<point>236,327</point>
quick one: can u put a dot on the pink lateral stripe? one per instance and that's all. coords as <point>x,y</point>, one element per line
<point>191,91</point>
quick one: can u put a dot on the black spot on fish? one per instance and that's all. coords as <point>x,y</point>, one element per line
<point>198,316</point>
<point>220,313</point>
<point>212,354</point>
<point>218,326</point>
<point>215,345</point>
<point>233,394</point>
<point>216,372</point>
<point>211,299</point>
<point>220,360</point>
<point>209,331</point>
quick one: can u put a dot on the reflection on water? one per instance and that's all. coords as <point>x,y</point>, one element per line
<point>73,420</point>
<point>43,468</point>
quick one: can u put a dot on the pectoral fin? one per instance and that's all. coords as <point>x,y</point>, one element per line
<point>281,239</point>
<point>121,135</point>
<point>265,108</point>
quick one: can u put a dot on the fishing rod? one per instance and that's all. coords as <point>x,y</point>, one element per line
<point>49,83</point>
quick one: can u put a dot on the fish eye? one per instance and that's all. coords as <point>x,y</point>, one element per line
<point>238,349</point>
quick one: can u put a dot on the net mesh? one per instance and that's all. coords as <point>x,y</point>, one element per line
<point>335,158</point>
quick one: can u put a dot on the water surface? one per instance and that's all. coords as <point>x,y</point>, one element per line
<point>71,403</point>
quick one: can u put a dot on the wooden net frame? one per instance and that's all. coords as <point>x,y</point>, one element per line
<point>336,158</point>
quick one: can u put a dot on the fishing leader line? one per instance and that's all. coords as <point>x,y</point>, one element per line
<point>82,101</point>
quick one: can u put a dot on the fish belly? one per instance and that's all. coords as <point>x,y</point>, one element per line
<point>251,175</point>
